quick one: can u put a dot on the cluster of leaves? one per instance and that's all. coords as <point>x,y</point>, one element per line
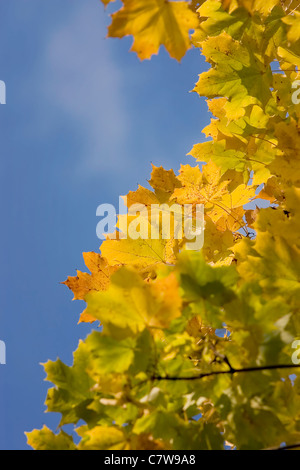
<point>195,347</point>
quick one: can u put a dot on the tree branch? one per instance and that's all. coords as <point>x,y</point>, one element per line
<point>230,371</point>
<point>288,447</point>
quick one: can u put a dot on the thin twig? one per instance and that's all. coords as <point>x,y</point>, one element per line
<point>230,371</point>
<point>288,447</point>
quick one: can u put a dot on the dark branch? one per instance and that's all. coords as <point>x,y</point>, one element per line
<point>230,371</point>
<point>288,447</point>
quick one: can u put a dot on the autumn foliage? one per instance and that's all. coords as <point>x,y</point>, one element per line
<point>201,333</point>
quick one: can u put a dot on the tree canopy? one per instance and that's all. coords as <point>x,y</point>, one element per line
<point>196,347</point>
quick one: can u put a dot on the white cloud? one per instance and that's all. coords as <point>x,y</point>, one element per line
<point>82,79</point>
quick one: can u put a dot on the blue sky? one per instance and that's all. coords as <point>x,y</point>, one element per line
<point>84,119</point>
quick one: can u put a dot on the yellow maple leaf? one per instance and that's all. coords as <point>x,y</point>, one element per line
<point>163,181</point>
<point>218,245</point>
<point>141,196</point>
<point>102,437</point>
<point>84,283</point>
<point>146,252</point>
<point>273,259</point>
<point>286,165</point>
<point>154,23</point>
<point>45,439</point>
<point>140,253</point>
<point>211,188</point>
<point>294,22</point>
<point>132,304</point>
<point>272,191</point>
<point>99,278</point>
<point>289,56</point>
<point>252,6</point>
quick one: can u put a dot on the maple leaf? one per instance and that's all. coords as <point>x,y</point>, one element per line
<point>237,74</point>
<point>131,303</point>
<point>102,437</point>
<point>218,244</point>
<point>147,252</point>
<point>217,19</point>
<point>99,278</point>
<point>111,354</point>
<point>245,145</point>
<point>286,165</point>
<point>153,23</point>
<point>294,25</point>
<point>83,283</point>
<point>289,56</point>
<point>251,216</point>
<point>201,188</point>
<point>210,188</point>
<point>163,180</point>
<point>274,258</point>
<point>45,439</point>
<point>283,221</point>
<point>143,254</point>
<point>261,6</point>
<point>272,191</point>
